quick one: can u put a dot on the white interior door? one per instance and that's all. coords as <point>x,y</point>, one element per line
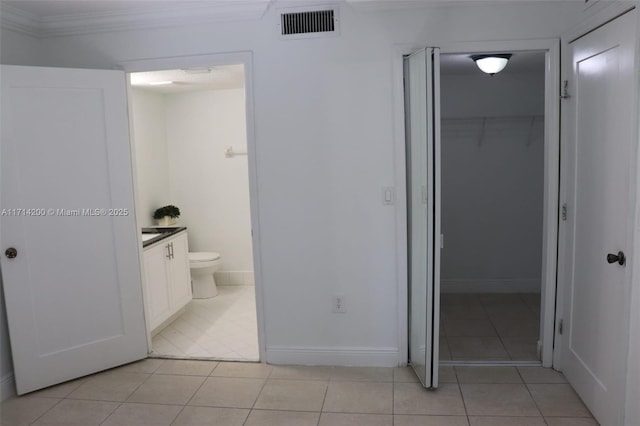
<point>422,94</point>
<point>73,291</point>
<point>600,139</point>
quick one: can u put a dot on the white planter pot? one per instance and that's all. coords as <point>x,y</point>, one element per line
<point>167,221</point>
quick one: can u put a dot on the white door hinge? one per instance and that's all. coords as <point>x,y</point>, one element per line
<point>561,327</point>
<point>564,211</point>
<point>565,90</point>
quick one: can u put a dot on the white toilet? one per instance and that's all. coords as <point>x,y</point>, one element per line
<point>203,265</point>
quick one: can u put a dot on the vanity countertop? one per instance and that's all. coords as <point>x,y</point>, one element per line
<point>159,233</point>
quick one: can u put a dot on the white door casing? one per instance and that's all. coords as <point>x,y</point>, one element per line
<point>600,129</point>
<point>422,73</point>
<point>73,293</point>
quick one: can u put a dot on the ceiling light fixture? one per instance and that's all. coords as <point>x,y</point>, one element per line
<point>160,83</point>
<point>491,64</point>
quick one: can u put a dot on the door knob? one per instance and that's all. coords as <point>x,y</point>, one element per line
<point>612,258</point>
<point>11,253</point>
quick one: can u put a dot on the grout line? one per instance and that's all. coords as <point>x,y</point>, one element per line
<point>111,413</point>
<point>46,411</point>
<point>324,399</point>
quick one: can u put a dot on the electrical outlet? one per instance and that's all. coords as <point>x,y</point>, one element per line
<point>338,304</point>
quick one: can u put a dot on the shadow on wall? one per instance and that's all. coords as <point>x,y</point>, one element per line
<point>6,363</point>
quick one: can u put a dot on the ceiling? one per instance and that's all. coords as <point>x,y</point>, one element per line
<point>194,79</point>
<point>520,62</point>
<point>44,18</point>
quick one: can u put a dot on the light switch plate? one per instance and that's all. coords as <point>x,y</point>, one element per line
<point>388,195</point>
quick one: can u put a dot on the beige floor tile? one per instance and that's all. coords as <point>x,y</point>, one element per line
<point>242,369</point>
<point>464,311</point>
<point>477,349</point>
<point>359,397</point>
<point>187,367</point>
<point>521,349</point>
<point>143,414</point>
<point>292,395</point>
<point>506,421</point>
<point>488,375</point>
<point>167,389</point>
<point>221,327</point>
<point>147,365</point>
<point>498,400</point>
<point>412,398</point>
<point>74,412</point>
<point>361,374</point>
<point>541,375</point>
<point>109,386</point>
<point>228,392</point>
<point>478,327</point>
<point>281,418</point>
<point>211,416</point>
<point>517,327</point>
<point>571,421</point>
<point>19,411</point>
<point>509,310</point>
<point>412,420</point>
<point>404,374</point>
<point>447,374</point>
<point>558,400</point>
<point>300,372</point>
<point>341,419</point>
<point>59,391</point>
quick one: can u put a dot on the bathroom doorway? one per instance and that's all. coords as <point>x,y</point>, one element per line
<point>189,127</point>
<point>493,166</point>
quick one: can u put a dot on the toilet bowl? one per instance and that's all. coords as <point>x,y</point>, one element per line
<point>203,265</point>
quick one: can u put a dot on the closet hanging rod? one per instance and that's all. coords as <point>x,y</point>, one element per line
<point>229,152</point>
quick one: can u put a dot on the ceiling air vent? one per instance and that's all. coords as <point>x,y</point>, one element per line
<point>309,23</point>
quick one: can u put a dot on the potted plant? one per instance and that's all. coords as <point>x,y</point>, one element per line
<point>166,215</point>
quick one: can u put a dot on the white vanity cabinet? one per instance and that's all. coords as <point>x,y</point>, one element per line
<point>167,278</point>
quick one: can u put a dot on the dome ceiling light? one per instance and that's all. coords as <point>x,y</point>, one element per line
<point>493,63</point>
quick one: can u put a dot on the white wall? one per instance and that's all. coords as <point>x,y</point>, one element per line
<point>151,152</point>
<point>492,181</point>
<point>6,363</point>
<point>211,190</point>
<point>324,148</point>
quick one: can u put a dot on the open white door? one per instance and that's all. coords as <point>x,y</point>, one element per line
<point>422,94</point>
<point>70,260</point>
<point>600,141</point>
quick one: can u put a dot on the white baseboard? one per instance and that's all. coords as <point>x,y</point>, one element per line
<point>350,356</point>
<point>524,285</point>
<point>7,386</point>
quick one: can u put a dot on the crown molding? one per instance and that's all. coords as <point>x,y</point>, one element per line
<point>398,5</point>
<point>135,18</point>
<point>18,20</point>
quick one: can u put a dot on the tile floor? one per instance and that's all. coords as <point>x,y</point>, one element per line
<point>222,328</point>
<point>489,327</point>
<point>157,392</point>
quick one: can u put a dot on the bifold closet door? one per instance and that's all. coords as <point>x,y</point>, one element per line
<point>422,101</point>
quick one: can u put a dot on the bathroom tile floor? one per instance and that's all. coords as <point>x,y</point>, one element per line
<point>489,326</point>
<point>221,328</point>
<point>156,392</point>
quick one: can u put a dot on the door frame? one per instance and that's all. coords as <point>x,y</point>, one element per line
<point>548,314</point>
<point>207,60</point>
